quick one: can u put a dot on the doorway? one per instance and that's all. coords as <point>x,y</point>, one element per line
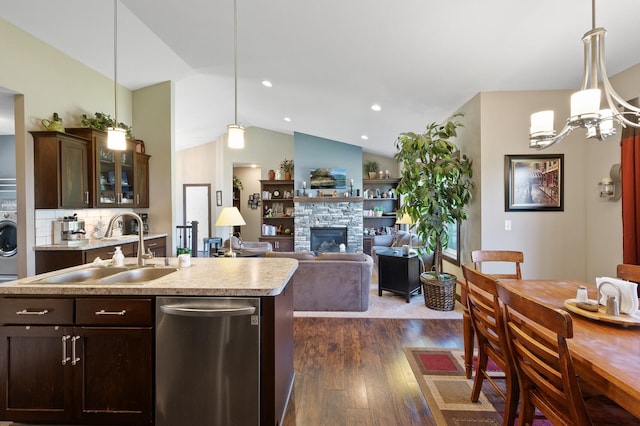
<point>197,206</point>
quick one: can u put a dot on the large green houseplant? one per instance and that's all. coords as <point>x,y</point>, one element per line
<point>436,186</point>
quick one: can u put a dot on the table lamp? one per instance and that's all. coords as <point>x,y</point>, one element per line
<point>405,219</point>
<point>230,216</point>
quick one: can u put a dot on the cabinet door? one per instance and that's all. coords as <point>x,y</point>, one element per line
<point>74,175</point>
<point>141,190</point>
<point>158,246</point>
<point>114,171</point>
<point>35,385</point>
<point>114,382</point>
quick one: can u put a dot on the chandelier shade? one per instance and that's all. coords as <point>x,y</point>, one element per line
<point>586,111</point>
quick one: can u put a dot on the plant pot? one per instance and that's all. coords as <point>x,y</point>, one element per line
<point>372,175</point>
<point>377,213</point>
<point>439,294</point>
<point>287,175</point>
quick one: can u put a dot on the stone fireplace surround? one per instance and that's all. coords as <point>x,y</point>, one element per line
<point>329,212</point>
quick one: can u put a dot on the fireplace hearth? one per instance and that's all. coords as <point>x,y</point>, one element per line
<point>327,239</point>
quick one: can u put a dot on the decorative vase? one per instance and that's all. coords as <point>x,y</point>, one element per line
<point>372,175</point>
<point>272,175</point>
<point>287,175</point>
<point>278,174</point>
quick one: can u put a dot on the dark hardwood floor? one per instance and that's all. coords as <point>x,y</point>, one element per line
<point>354,371</point>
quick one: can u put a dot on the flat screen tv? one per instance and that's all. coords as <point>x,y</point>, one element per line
<point>328,178</point>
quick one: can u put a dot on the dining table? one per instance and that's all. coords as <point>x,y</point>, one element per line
<point>605,354</point>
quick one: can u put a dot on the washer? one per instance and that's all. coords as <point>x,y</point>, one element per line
<point>8,246</point>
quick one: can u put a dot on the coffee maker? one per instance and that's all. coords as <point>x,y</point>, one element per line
<point>69,231</point>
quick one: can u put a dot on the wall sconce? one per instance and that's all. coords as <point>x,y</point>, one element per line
<point>610,186</point>
<point>254,200</point>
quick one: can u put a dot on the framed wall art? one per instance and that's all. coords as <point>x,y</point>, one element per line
<point>534,182</point>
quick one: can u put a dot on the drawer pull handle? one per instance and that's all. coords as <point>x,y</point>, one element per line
<point>26,312</point>
<point>75,359</point>
<point>65,358</point>
<point>103,312</point>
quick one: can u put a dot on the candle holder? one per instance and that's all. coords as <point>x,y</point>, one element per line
<point>351,190</point>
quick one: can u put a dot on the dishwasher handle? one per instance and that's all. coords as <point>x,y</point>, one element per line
<point>202,311</point>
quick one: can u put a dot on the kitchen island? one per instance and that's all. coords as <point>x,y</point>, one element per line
<point>104,334</point>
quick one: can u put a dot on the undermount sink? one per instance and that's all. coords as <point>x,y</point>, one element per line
<point>81,276</point>
<point>137,275</point>
<point>93,275</point>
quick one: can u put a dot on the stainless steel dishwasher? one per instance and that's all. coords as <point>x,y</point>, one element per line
<point>207,361</point>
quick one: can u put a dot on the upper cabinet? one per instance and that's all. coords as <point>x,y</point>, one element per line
<point>120,178</point>
<point>61,171</point>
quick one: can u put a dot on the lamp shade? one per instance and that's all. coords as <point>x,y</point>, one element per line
<point>235,135</point>
<point>405,219</point>
<point>230,216</point>
<point>116,138</point>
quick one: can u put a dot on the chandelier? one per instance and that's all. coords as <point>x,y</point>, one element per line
<point>585,104</point>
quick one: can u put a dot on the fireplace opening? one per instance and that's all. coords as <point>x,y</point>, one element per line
<point>325,239</point>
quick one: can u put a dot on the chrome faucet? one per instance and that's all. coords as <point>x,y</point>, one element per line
<point>109,231</point>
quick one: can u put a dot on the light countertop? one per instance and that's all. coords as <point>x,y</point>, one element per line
<point>255,276</point>
<point>91,243</point>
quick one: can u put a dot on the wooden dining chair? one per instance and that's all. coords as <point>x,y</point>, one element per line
<point>629,272</point>
<point>516,257</point>
<point>478,257</point>
<point>487,321</point>
<point>537,336</point>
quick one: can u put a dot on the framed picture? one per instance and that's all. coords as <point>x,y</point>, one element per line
<point>534,182</point>
<point>218,198</point>
<point>328,178</point>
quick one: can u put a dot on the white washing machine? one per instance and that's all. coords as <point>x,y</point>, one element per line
<point>8,246</point>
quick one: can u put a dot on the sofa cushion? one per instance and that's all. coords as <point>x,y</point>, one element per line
<point>356,257</point>
<point>300,255</point>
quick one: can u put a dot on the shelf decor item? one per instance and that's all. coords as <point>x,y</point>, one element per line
<point>436,185</point>
<point>372,168</point>
<point>287,168</point>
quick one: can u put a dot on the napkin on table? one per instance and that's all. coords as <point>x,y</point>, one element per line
<point>628,302</point>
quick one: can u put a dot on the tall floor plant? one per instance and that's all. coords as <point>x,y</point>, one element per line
<point>436,184</point>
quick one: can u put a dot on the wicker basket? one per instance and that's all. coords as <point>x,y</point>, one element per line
<point>438,294</point>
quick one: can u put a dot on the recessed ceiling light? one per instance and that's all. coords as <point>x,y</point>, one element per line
<point>287,119</point>
<point>266,83</point>
<point>376,107</point>
<point>364,137</point>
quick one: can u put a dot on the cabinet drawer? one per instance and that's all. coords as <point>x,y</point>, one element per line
<point>125,312</point>
<point>36,311</point>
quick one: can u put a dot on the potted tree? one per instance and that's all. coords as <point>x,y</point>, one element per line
<point>436,187</point>
<point>372,167</point>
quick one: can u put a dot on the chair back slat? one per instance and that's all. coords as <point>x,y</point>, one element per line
<point>629,272</point>
<point>508,256</point>
<point>537,337</point>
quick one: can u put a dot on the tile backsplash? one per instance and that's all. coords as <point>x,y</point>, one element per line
<point>91,217</point>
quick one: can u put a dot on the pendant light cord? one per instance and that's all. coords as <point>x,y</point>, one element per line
<point>115,59</point>
<point>235,60</point>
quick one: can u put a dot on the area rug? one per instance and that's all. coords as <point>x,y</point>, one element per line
<point>390,305</point>
<point>441,376</point>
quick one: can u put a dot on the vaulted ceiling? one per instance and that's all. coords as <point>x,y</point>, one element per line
<point>330,60</point>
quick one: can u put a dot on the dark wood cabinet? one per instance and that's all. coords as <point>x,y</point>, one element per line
<point>98,369</point>
<point>279,243</point>
<point>119,178</point>
<point>399,274</point>
<point>61,171</point>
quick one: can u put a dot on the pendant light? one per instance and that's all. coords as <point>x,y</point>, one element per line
<point>585,104</point>
<point>235,132</point>
<point>116,137</point>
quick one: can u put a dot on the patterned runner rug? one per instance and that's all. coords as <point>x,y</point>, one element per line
<point>441,376</point>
